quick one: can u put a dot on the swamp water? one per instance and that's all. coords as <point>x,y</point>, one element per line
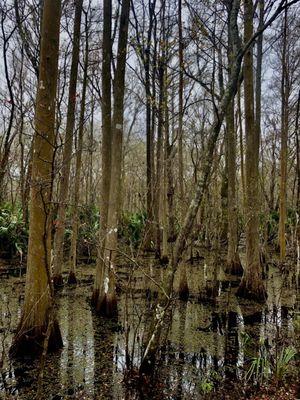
<point>207,346</point>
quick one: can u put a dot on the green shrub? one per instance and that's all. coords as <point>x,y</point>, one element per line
<point>206,386</point>
<point>132,227</point>
<point>13,232</point>
<point>282,361</point>
<point>266,366</point>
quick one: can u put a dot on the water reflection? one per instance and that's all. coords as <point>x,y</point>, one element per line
<point>204,345</point>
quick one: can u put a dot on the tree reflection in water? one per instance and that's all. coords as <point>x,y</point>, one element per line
<point>203,349</point>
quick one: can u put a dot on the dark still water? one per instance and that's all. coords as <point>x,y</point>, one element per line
<point>214,346</point>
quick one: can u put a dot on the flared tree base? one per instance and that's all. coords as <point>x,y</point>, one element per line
<point>72,278</point>
<point>254,291</point>
<point>58,281</point>
<point>183,290</point>
<point>31,343</point>
<point>234,267</point>
<point>105,305</point>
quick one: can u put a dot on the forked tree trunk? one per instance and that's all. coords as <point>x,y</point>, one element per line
<point>38,312</point>
<point>67,154</point>
<point>251,285</point>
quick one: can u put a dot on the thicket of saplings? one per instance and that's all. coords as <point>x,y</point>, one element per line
<point>14,230</point>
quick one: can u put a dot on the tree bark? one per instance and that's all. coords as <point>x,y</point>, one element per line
<point>38,312</point>
<point>107,303</point>
<point>98,294</point>
<point>180,113</point>
<point>233,260</point>
<point>251,285</point>
<point>73,253</point>
<point>150,172</point>
<point>283,143</point>
<point>58,259</point>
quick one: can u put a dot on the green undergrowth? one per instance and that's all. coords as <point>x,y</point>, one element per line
<point>13,231</point>
<point>266,366</point>
<point>132,227</point>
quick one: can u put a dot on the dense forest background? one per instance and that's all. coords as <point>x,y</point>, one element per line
<point>157,138</point>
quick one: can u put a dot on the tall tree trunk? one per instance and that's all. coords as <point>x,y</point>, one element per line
<point>98,292</point>
<point>38,319</point>
<point>158,189</point>
<point>107,304</point>
<point>241,143</point>
<point>273,173</point>
<point>180,113</point>
<point>91,192</point>
<point>159,159</point>
<point>233,260</point>
<point>67,154</point>
<point>298,186</point>
<point>21,142</point>
<point>149,231</point>
<point>259,59</point>
<point>166,171</point>
<point>73,253</point>
<point>284,143</point>
<point>251,285</point>
<point>224,199</point>
<point>183,289</point>
<point>9,135</point>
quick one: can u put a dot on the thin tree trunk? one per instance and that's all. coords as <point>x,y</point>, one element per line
<point>284,144</point>
<point>73,253</point>
<point>298,187</point>
<point>9,135</point>
<point>91,194</point>
<point>165,190</point>
<point>241,142</point>
<point>159,159</point>
<point>98,293</point>
<point>180,113</point>
<point>233,260</point>
<point>149,231</point>
<point>58,258</point>
<point>21,142</point>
